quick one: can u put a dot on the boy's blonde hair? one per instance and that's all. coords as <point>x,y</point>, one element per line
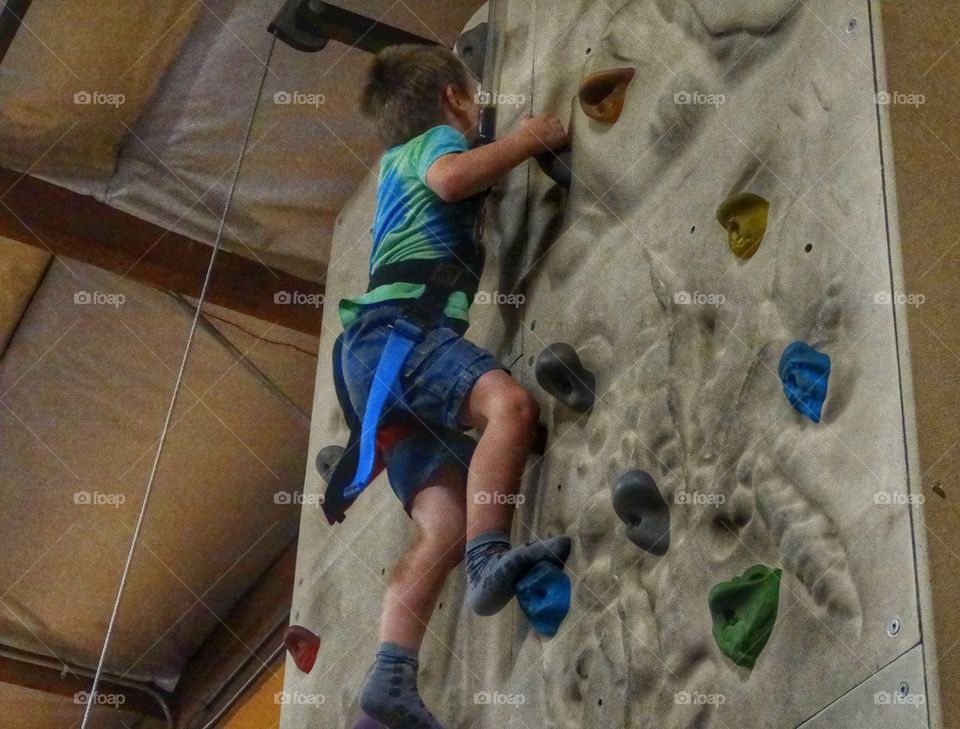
<point>405,87</point>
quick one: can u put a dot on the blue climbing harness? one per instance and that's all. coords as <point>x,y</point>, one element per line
<point>355,469</point>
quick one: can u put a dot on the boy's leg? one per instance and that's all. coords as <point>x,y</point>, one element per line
<point>507,416</point>
<point>390,692</point>
<point>416,580</point>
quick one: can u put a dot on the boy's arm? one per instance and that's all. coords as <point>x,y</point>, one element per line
<point>455,177</point>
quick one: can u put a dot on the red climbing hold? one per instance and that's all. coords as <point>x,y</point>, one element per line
<point>302,645</point>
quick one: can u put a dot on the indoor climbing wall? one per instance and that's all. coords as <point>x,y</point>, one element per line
<point>725,269</point>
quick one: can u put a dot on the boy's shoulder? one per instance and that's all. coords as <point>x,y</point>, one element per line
<point>442,136</point>
<point>417,154</point>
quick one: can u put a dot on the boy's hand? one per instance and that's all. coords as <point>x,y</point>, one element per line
<point>544,133</point>
<point>455,177</point>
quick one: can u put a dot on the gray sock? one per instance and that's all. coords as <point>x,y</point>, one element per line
<point>493,568</point>
<point>390,693</point>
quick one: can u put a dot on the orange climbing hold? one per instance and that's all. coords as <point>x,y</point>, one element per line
<point>603,94</point>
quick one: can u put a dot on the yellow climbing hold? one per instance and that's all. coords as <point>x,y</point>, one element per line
<point>744,215</point>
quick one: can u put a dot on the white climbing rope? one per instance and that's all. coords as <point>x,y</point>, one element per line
<point>173,402</point>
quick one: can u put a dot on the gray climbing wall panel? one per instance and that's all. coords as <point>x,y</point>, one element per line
<point>893,698</point>
<point>631,268</point>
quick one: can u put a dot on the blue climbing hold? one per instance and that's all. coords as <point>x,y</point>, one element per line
<point>544,597</point>
<point>804,372</point>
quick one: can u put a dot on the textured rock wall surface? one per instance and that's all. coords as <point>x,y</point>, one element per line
<point>632,269</point>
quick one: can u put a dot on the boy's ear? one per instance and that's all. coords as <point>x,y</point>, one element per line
<point>451,96</point>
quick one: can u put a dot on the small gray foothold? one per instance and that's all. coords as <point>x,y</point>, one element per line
<point>637,501</point>
<point>560,372</point>
<point>326,460</point>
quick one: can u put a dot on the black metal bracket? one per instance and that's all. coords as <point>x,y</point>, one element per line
<point>307,25</point>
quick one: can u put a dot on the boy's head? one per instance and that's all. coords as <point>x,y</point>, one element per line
<point>412,88</point>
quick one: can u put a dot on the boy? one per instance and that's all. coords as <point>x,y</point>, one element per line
<point>454,488</point>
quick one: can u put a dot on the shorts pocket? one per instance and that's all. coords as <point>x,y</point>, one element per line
<point>435,338</point>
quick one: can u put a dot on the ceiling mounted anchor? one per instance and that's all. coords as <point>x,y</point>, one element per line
<point>307,25</point>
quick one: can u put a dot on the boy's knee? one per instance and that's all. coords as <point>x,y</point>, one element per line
<point>516,405</point>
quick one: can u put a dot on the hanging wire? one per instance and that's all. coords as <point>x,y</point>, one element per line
<point>173,402</point>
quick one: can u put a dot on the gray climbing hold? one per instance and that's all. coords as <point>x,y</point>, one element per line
<point>560,372</point>
<point>558,165</point>
<point>327,459</point>
<point>471,48</point>
<point>638,503</point>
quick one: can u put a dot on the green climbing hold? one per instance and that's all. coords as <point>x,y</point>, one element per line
<point>744,611</point>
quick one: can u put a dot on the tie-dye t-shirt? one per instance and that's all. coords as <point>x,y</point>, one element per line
<point>412,222</point>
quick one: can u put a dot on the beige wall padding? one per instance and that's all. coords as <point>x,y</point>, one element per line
<point>21,270</point>
<point>775,98</point>
<point>86,387</point>
<point>24,708</point>
<point>68,47</point>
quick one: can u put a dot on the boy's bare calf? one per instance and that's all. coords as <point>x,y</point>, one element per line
<point>439,517</point>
